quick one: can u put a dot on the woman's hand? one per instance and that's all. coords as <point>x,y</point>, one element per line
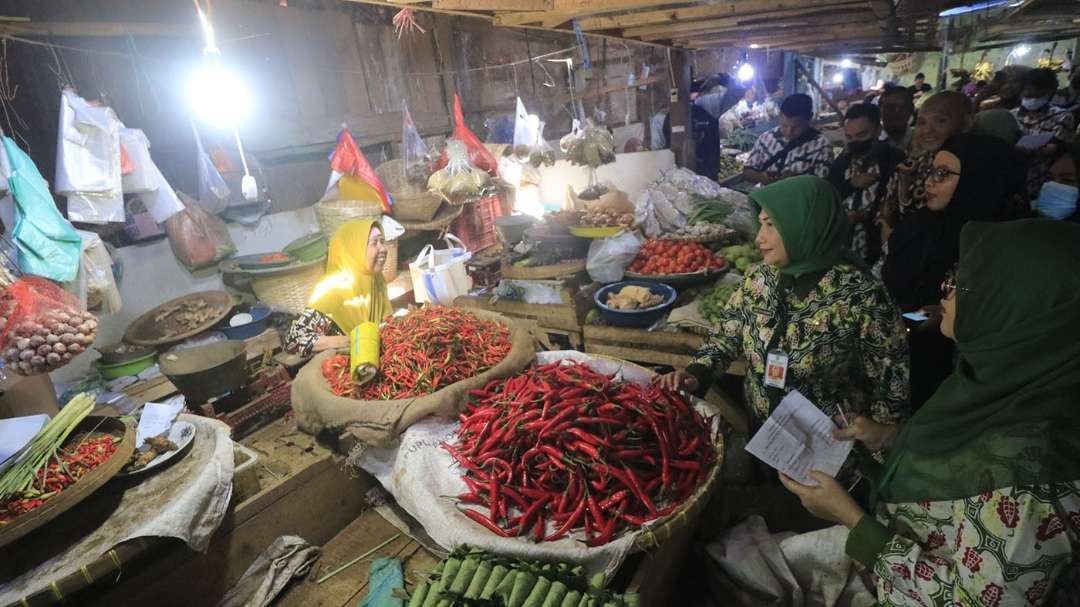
<point>827,501</point>
<point>331,342</point>
<point>677,380</point>
<point>869,432</point>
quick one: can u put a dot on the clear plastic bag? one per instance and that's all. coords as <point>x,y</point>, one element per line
<point>590,145</point>
<point>95,286</point>
<point>42,327</point>
<point>214,193</point>
<point>609,257</point>
<point>198,239</point>
<point>459,181</point>
<point>414,152</point>
<point>478,154</point>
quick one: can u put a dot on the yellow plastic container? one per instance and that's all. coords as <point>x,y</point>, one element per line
<point>364,352</point>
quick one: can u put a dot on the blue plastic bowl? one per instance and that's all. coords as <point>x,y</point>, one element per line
<point>260,315</point>
<point>635,318</point>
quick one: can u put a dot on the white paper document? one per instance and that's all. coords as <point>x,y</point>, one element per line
<point>155,419</point>
<point>1034,142</point>
<point>797,438</point>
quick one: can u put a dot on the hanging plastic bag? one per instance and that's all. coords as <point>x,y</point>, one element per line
<point>94,285</point>
<point>589,145</point>
<point>609,257</point>
<point>138,149</point>
<point>414,152</point>
<point>48,245</point>
<point>214,193</point>
<point>88,168</point>
<point>459,181</point>
<point>42,327</point>
<point>198,239</point>
<point>479,156</point>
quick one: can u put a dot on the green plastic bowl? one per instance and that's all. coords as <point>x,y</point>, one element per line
<point>307,248</point>
<point>124,369</point>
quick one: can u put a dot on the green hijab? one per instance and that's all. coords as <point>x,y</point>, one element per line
<point>1008,415</point>
<point>811,221</point>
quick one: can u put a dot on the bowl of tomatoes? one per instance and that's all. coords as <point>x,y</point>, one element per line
<point>677,263</point>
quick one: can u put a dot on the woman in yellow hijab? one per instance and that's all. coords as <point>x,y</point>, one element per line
<point>352,291</point>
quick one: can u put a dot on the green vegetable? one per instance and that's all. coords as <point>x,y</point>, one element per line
<point>451,570</point>
<point>555,595</point>
<point>571,599</point>
<point>419,593</point>
<point>31,459</point>
<point>709,210</point>
<point>432,597</point>
<point>498,574</point>
<point>534,599</point>
<point>479,580</point>
<point>507,584</point>
<point>597,580</point>
<point>632,599</point>
<point>464,575</point>
<point>523,583</point>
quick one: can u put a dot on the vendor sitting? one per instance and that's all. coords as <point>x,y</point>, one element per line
<point>978,502</point>
<point>351,292</point>
<point>793,148</point>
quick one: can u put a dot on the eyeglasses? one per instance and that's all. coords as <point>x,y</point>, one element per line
<point>940,174</point>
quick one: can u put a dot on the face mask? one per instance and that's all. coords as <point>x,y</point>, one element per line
<point>1056,200</point>
<point>1032,104</point>
<point>860,148</point>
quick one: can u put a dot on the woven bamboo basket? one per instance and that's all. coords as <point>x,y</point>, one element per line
<point>289,291</point>
<point>411,202</point>
<point>331,214</point>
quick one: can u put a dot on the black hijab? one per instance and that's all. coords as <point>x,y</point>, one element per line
<point>926,245</point>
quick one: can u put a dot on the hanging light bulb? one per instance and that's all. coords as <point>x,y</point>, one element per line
<point>838,78</point>
<point>1022,50</point>
<point>745,73</point>
<point>216,94</point>
<point>846,63</point>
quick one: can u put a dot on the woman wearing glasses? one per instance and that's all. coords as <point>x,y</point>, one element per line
<point>973,177</point>
<point>978,501</point>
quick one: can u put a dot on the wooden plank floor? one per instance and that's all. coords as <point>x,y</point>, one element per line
<point>350,586</point>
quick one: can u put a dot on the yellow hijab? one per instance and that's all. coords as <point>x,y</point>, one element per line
<point>349,293</point>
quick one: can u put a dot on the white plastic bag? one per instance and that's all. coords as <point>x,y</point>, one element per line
<point>609,257</point>
<point>438,275</point>
<point>214,193</point>
<point>88,161</point>
<point>95,285</point>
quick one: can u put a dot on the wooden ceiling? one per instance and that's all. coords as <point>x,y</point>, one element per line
<point>811,26</point>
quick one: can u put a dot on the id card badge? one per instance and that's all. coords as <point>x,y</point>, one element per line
<point>776,368</point>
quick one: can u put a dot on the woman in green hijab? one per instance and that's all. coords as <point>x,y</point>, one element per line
<point>978,501</point>
<point>811,318</point>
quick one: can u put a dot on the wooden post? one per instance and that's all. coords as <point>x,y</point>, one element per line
<point>817,87</point>
<point>681,142</point>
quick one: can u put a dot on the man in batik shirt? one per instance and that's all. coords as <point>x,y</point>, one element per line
<point>793,148</point>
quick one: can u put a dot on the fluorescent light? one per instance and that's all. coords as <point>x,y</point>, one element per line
<point>745,73</point>
<point>846,63</point>
<point>838,78</point>
<point>974,6</point>
<point>217,95</point>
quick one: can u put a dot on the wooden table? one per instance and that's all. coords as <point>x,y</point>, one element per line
<point>671,348</point>
<point>544,320</point>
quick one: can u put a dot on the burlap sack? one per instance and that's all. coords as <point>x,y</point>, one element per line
<point>378,422</point>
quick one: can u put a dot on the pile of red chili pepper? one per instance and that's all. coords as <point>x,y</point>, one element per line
<point>562,447</point>
<point>62,471</point>
<point>424,351</point>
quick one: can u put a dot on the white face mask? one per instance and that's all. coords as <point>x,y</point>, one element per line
<point>1032,104</point>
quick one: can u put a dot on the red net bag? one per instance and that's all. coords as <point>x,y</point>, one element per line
<point>479,156</point>
<point>42,327</point>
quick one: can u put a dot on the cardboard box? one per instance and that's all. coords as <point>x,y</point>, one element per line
<point>27,395</point>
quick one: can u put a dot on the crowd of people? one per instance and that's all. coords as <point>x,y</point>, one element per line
<point>921,289</point>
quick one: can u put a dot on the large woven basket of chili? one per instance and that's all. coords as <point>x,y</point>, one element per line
<point>430,359</point>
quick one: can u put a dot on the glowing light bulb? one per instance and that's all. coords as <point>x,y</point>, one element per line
<point>846,63</point>
<point>838,78</point>
<point>745,73</point>
<point>217,95</point>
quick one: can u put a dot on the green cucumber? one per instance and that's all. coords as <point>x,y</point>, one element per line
<point>478,580</point>
<point>498,574</point>
<point>419,593</point>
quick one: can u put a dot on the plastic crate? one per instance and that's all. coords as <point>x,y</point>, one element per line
<point>476,226</point>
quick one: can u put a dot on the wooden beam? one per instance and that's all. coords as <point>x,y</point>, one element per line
<point>558,16</point>
<point>669,30</point>
<point>491,19</point>
<point>778,26</point>
<point>724,9</point>
<point>611,88</point>
<point>781,42</point>
<point>1024,5</point>
<point>92,28</point>
<point>495,5</point>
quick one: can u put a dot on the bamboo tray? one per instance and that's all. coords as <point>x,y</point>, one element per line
<point>146,331</point>
<point>82,488</point>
